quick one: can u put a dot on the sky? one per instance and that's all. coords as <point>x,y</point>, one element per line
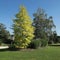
<point>8,9</point>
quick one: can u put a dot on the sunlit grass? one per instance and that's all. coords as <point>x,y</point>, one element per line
<point>48,53</point>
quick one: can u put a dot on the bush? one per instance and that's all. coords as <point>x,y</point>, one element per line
<point>58,40</point>
<point>8,41</point>
<point>34,44</point>
<point>44,42</point>
<point>13,46</point>
<point>0,41</point>
<point>50,42</point>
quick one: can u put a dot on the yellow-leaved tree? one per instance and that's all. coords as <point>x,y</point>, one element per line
<point>23,29</point>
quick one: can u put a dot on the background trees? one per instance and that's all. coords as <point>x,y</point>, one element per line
<point>43,25</point>
<point>23,29</point>
<point>4,34</point>
<point>41,29</point>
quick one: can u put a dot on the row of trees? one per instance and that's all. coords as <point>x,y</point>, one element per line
<point>25,29</point>
<point>28,32</point>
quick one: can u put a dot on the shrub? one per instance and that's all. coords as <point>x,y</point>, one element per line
<point>44,42</point>
<point>34,44</point>
<point>0,41</point>
<point>13,46</point>
<point>50,42</point>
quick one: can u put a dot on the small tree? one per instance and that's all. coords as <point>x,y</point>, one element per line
<point>23,29</point>
<point>4,34</point>
<point>43,26</point>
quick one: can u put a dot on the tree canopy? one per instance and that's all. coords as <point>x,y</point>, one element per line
<point>43,24</point>
<point>23,29</point>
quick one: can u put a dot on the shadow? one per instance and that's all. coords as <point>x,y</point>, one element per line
<point>1,50</point>
<point>14,49</point>
<point>10,49</point>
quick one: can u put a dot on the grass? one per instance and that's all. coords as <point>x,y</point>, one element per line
<point>48,53</point>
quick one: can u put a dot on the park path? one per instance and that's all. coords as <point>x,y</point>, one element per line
<point>4,47</point>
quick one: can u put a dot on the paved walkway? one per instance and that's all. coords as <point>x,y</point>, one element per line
<point>4,47</point>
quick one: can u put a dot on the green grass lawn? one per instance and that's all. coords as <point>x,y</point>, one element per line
<point>48,53</point>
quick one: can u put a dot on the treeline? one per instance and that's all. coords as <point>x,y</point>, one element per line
<point>30,33</point>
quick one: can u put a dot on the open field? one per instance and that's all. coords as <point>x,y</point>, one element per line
<point>48,53</point>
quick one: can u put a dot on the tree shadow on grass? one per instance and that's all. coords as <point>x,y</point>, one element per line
<point>10,49</point>
<point>1,50</point>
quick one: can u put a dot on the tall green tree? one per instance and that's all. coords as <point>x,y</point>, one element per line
<point>43,25</point>
<point>23,29</point>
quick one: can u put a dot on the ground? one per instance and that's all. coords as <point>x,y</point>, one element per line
<point>46,53</point>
